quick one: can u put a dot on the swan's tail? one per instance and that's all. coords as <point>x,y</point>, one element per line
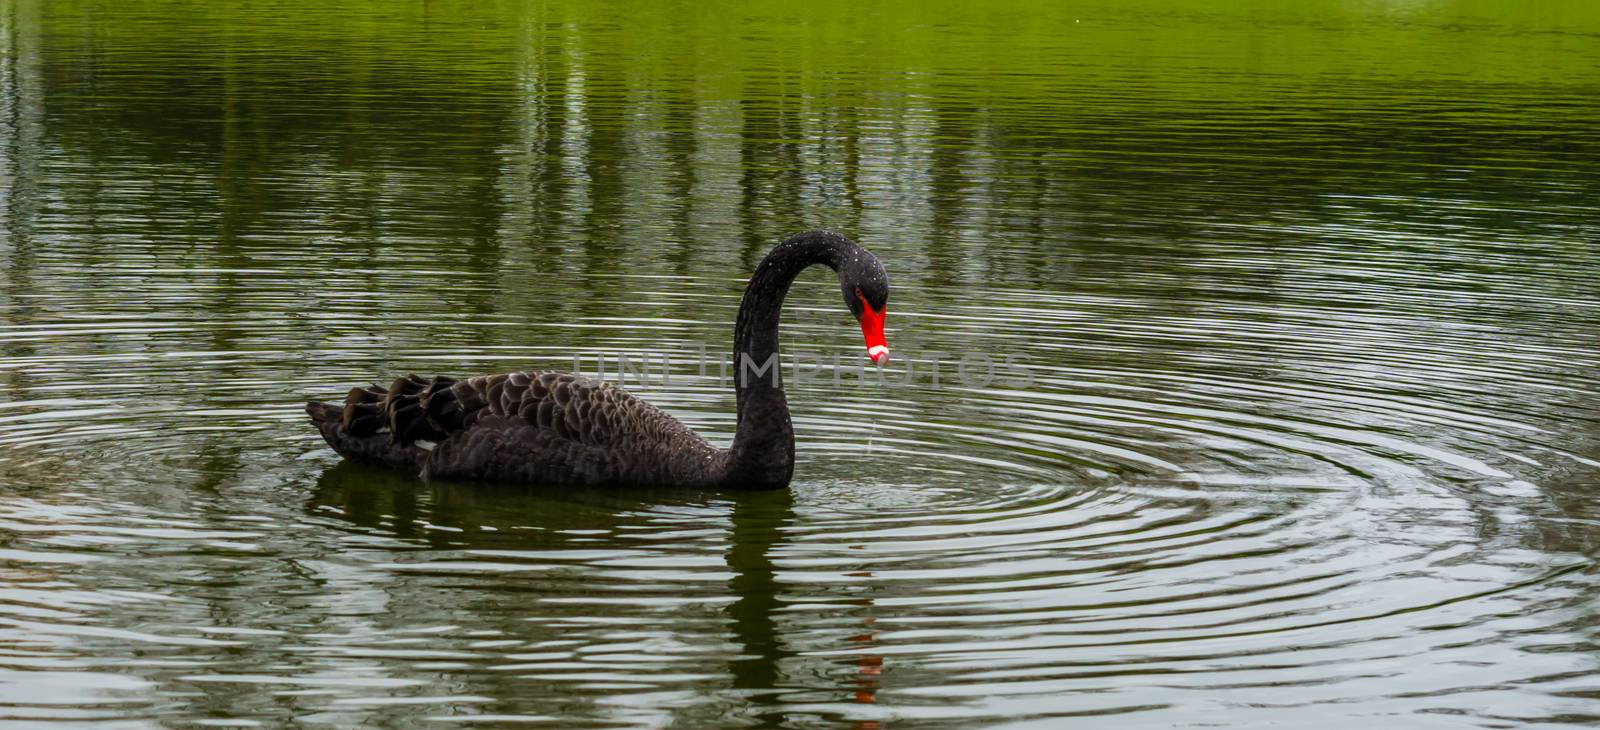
<point>370,446</point>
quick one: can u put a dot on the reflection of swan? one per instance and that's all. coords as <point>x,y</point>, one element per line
<point>463,515</point>
<point>557,428</point>
<point>758,523</point>
<point>537,566</point>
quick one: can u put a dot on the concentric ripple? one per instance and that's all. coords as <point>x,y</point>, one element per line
<point>1293,417</point>
<point>1106,539</point>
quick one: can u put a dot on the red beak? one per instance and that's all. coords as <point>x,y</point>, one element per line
<point>872,330</point>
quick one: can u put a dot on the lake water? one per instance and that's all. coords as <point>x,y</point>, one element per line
<point>1307,296</point>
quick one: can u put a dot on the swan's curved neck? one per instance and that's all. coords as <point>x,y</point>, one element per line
<point>763,447</point>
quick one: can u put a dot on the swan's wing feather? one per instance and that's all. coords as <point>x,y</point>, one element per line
<point>535,426</point>
<point>571,407</point>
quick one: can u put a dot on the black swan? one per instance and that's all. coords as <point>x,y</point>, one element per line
<point>563,429</point>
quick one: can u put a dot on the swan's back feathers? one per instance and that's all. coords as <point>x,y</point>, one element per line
<point>575,408</point>
<point>533,426</point>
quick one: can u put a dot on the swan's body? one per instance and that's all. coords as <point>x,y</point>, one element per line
<point>558,428</point>
<point>537,427</point>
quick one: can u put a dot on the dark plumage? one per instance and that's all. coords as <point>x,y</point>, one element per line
<point>558,428</point>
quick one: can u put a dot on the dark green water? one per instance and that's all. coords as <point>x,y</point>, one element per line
<point>1309,295</point>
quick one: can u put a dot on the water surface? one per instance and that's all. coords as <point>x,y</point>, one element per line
<point>1307,296</point>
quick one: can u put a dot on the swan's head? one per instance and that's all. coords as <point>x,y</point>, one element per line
<point>866,293</point>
